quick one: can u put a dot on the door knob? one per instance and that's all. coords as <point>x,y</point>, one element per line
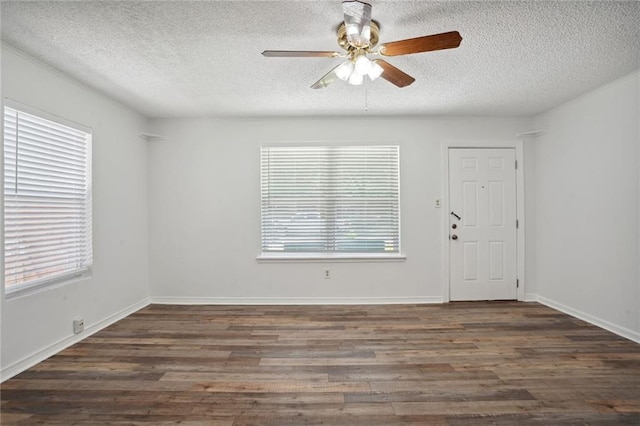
<point>454,237</point>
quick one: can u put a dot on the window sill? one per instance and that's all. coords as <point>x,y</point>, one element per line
<point>323,257</point>
<point>47,284</point>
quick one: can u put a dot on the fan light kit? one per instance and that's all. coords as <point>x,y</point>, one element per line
<point>358,35</point>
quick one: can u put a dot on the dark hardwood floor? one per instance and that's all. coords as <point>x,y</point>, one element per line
<point>455,364</point>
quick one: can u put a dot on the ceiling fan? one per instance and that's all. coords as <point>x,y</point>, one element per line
<point>358,35</point>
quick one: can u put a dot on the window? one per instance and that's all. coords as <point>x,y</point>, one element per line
<point>47,199</point>
<point>330,200</point>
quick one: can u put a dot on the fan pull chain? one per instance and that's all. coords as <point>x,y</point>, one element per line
<point>366,97</point>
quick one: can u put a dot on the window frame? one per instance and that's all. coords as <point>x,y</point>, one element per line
<point>40,284</point>
<point>332,256</point>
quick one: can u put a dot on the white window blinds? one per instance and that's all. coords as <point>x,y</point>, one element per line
<point>47,200</point>
<point>330,199</point>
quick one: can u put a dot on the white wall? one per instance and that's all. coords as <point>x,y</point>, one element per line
<point>588,207</point>
<point>35,325</point>
<point>205,210</point>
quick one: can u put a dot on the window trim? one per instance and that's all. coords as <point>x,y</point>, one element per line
<point>11,103</point>
<point>335,257</point>
<point>47,283</point>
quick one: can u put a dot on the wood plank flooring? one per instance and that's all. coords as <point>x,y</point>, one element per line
<point>453,364</point>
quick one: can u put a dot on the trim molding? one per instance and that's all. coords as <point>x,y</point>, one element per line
<point>169,300</point>
<point>599,322</point>
<point>50,350</point>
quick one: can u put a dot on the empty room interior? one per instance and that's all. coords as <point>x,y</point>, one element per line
<point>341,213</point>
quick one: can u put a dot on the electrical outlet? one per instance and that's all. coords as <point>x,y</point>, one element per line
<point>437,203</point>
<point>327,273</point>
<point>78,325</point>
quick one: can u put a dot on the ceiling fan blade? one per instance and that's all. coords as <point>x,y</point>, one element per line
<point>299,54</point>
<point>394,75</point>
<point>428,43</point>
<point>326,80</point>
<point>357,21</point>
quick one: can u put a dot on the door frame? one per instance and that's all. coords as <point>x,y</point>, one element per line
<point>520,216</point>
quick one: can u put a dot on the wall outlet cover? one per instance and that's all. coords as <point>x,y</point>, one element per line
<point>78,325</point>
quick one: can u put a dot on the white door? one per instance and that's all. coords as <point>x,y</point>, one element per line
<point>482,224</point>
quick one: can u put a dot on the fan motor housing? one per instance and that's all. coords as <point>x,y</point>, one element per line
<point>373,40</point>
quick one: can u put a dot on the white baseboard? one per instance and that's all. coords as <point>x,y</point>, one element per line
<point>530,297</point>
<point>168,300</point>
<point>44,353</point>
<point>614,328</point>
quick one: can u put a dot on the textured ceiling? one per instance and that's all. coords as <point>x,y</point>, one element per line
<point>197,58</point>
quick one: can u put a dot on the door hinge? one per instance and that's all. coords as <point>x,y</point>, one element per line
<point>517,283</point>
<point>517,224</point>
<point>516,164</point>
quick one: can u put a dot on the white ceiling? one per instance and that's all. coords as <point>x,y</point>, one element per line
<point>199,58</point>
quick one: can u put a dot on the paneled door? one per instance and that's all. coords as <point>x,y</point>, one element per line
<point>482,224</point>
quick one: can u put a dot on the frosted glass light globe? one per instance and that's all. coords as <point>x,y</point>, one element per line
<point>344,70</point>
<point>363,65</point>
<point>356,79</point>
<point>375,71</point>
